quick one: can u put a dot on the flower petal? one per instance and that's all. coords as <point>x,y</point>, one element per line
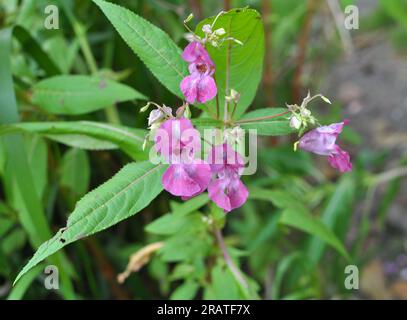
<point>206,89</point>
<point>340,160</point>
<point>195,52</point>
<point>238,193</point>
<point>322,140</point>
<point>216,192</point>
<point>200,172</point>
<point>176,137</point>
<point>228,194</point>
<point>224,156</point>
<point>177,181</point>
<point>189,87</point>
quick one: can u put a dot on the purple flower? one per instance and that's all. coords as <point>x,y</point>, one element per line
<point>227,190</point>
<point>199,85</point>
<point>322,141</point>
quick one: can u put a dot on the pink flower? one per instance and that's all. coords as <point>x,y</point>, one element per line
<point>177,140</point>
<point>187,180</point>
<point>227,190</point>
<point>322,141</point>
<point>195,52</point>
<point>199,85</point>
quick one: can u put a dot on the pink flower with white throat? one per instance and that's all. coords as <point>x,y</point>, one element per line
<point>322,141</point>
<point>199,85</point>
<point>227,190</point>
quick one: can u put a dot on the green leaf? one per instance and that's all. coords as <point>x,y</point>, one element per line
<point>87,135</point>
<point>124,195</point>
<point>22,286</point>
<point>191,205</point>
<point>396,9</point>
<point>335,215</point>
<point>198,240</point>
<point>31,46</point>
<point>37,154</point>
<point>185,291</point>
<point>152,45</point>
<point>206,122</point>
<point>223,285</point>
<point>280,198</point>
<point>277,126</point>
<point>282,268</point>
<point>172,223</point>
<point>75,172</point>
<point>303,220</point>
<point>246,61</point>
<point>30,208</point>
<point>82,142</point>
<point>77,94</point>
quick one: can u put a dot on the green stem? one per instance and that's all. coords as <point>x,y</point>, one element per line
<point>225,111</point>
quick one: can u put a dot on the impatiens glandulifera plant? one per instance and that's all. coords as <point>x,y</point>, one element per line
<point>215,76</point>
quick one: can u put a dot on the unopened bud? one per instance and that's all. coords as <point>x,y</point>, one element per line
<point>155,116</point>
<point>326,99</point>
<point>207,29</point>
<point>305,112</point>
<point>219,32</point>
<point>189,18</point>
<point>145,108</point>
<point>187,112</point>
<point>294,122</point>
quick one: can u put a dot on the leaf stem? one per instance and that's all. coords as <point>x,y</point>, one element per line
<point>263,118</point>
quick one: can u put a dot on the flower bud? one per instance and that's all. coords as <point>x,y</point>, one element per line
<point>207,29</point>
<point>220,32</point>
<point>294,122</point>
<point>155,116</point>
<point>189,18</point>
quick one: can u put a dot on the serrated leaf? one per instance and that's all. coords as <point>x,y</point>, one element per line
<point>246,61</point>
<point>151,44</point>
<point>277,126</point>
<point>78,94</point>
<point>124,195</point>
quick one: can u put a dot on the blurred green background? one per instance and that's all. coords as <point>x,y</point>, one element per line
<point>364,74</point>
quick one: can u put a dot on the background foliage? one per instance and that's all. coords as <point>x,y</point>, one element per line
<point>69,109</point>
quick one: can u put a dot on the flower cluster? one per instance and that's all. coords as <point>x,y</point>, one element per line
<point>179,143</point>
<point>199,85</point>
